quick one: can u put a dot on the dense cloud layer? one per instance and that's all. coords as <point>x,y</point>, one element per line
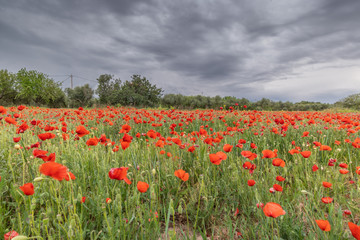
<point>283,50</point>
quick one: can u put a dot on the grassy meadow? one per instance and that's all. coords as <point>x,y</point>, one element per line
<point>126,173</point>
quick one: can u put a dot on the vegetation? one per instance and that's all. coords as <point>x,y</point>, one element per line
<point>126,173</point>
<point>35,88</point>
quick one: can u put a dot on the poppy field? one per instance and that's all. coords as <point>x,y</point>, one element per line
<point>126,173</point>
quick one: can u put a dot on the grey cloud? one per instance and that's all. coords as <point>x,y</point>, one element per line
<point>224,47</point>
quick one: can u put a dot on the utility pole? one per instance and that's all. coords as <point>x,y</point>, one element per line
<point>71,77</point>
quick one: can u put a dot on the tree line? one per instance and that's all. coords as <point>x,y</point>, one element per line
<point>35,88</point>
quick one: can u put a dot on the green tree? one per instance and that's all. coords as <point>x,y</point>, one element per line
<point>108,89</point>
<point>80,96</point>
<point>7,86</point>
<point>34,87</point>
<point>139,92</point>
<point>352,101</point>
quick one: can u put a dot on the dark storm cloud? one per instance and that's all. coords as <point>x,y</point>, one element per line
<point>238,48</point>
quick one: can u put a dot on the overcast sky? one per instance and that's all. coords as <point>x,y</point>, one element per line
<point>288,50</point>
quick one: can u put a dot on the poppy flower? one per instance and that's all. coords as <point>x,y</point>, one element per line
<point>294,151</point>
<point>325,148</point>
<point>3,110</point>
<point>227,148</point>
<point>54,170</point>
<point>326,184</point>
<point>191,149</point>
<point>108,200</point>
<point>343,165</point>
<point>343,171</point>
<point>251,182</point>
<point>119,174</point>
<point>273,210</point>
<point>314,168</point>
<point>347,212</point>
<point>83,199</point>
<point>69,176</point>
<point>324,225</point>
<point>217,158</point>
<point>81,131</point>
<point>305,154</point>
<point>10,120</point>
<point>355,230</point>
<point>277,187</point>
<point>142,186</point>
<point>28,189</point>
<point>17,139</point>
<point>280,178</point>
<point>10,235</point>
<point>277,162</point>
<point>182,175</point>
<point>318,144</point>
<point>248,154</point>
<point>125,128</point>
<point>327,200</point>
<point>269,154</point>
<point>92,141</point>
<point>305,134</point>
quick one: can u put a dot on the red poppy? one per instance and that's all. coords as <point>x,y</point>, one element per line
<point>327,200</point>
<point>343,171</point>
<point>3,110</point>
<point>69,176</point>
<point>269,154</point>
<point>28,189</point>
<point>10,120</point>
<point>355,230</point>
<point>125,128</point>
<point>324,225</point>
<point>142,186</point>
<point>227,148</point>
<point>277,162</point>
<point>83,199</point>
<point>326,184</point>
<point>10,235</point>
<point>280,178</point>
<point>248,154</point>
<point>293,151</point>
<point>277,187</point>
<point>81,131</point>
<point>314,168</point>
<point>251,182</point>
<point>54,170</point>
<point>343,165</point>
<point>217,157</point>
<point>119,174</point>
<point>273,210</point>
<point>305,154</point>
<point>325,148</point>
<point>47,135</point>
<point>182,175</point>
<point>92,141</point>
<point>17,139</point>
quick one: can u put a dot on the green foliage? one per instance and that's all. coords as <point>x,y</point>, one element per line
<point>352,102</point>
<point>137,92</point>
<point>34,87</point>
<point>81,96</point>
<point>7,86</point>
<point>108,89</point>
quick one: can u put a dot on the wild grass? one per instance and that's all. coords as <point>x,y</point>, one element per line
<point>202,207</point>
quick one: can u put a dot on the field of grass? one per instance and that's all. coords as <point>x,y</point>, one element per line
<point>121,173</point>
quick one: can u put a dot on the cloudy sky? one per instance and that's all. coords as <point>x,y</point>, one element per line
<point>288,50</point>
